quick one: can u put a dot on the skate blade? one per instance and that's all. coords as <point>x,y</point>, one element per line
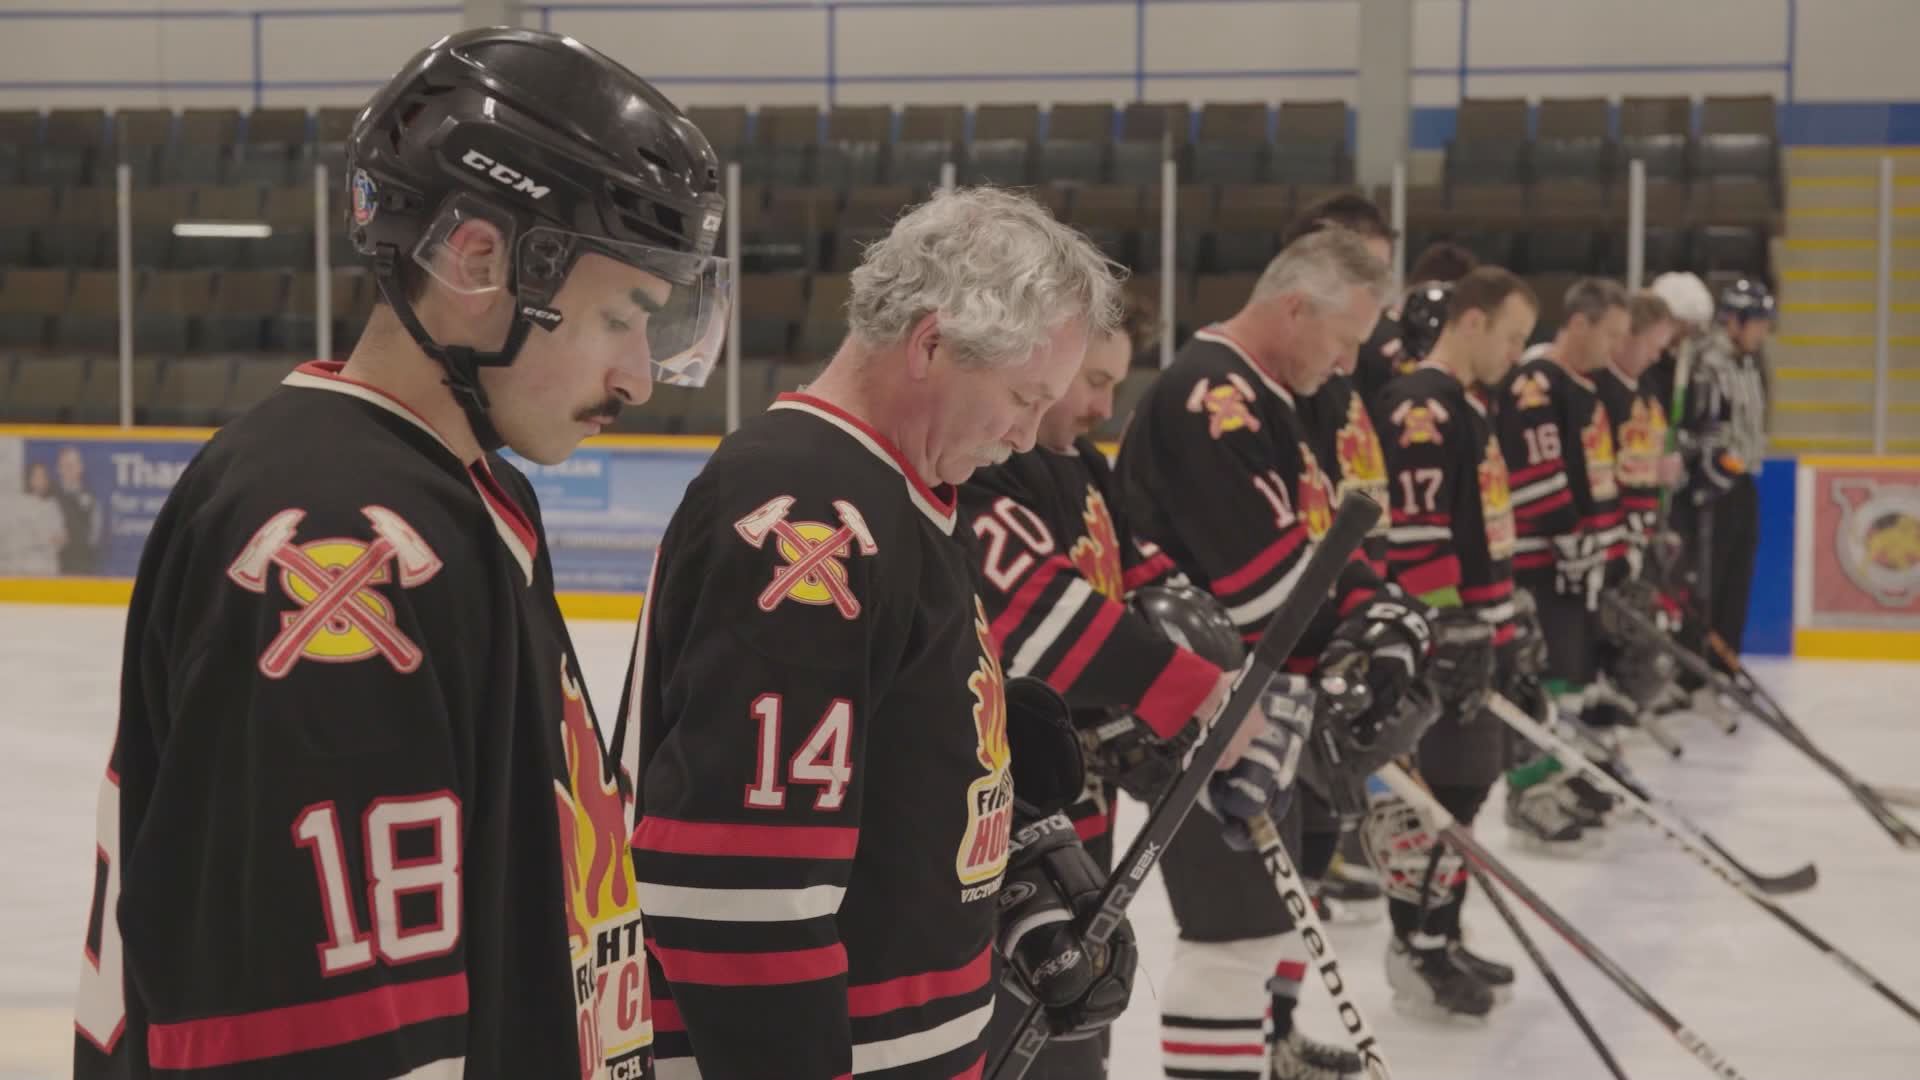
<point>1566,849</point>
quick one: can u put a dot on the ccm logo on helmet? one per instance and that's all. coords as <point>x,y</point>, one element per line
<point>508,177</point>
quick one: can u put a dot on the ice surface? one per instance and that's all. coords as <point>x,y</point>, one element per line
<point>1771,1003</point>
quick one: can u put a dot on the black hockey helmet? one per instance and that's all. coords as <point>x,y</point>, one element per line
<point>1422,315</point>
<point>1193,620</point>
<point>569,154</point>
<point>1747,298</point>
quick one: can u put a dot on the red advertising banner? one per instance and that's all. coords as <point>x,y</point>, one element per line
<point>1859,557</point>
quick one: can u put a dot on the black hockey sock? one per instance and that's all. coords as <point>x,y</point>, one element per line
<point>1285,988</point>
<point>1405,916</point>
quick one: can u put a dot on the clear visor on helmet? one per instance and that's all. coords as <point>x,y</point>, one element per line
<point>669,303</point>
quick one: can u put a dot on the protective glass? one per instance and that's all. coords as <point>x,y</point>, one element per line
<point>678,300</point>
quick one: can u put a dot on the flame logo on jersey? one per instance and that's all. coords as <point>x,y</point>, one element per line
<point>1357,447</point>
<point>1532,390</point>
<point>983,847</point>
<point>1316,496</point>
<point>1225,405</point>
<point>603,913</point>
<point>1642,440</point>
<point>1496,502</point>
<point>1419,424</point>
<point>1097,554</point>
<point>1597,439</point>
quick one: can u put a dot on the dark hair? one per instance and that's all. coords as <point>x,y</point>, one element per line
<point>1647,310</point>
<point>1349,210</point>
<point>1443,261</point>
<point>1485,289</point>
<point>1139,321</point>
<point>1593,297</point>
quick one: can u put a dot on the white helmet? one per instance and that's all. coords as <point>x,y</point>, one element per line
<point>1687,297</point>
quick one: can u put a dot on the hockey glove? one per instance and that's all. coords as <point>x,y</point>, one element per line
<point>1393,636</point>
<point>1051,885</point>
<point>1049,772</point>
<point>1461,668</point>
<point>1123,750</point>
<point>1262,780</point>
<point>1578,563</point>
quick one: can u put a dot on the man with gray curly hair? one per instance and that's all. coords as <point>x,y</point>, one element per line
<point>822,736</point>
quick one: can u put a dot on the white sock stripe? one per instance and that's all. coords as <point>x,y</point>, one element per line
<point>921,1045</point>
<point>1236,1036</point>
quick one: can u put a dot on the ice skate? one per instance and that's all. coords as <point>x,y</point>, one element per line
<point>1428,984</point>
<point>1298,1057</point>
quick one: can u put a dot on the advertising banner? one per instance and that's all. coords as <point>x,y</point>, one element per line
<point>1859,558</point>
<point>81,505</point>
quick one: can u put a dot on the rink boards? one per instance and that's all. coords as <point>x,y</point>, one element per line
<point>1837,573</point>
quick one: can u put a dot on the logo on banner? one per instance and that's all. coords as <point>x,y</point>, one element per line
<point>340,618</point>
<point>1878,537</point>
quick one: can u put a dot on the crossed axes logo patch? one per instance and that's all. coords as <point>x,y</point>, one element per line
<point>340,618</point>
<point>813,573</point>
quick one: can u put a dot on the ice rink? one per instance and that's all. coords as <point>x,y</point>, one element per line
<point>1761,995</point>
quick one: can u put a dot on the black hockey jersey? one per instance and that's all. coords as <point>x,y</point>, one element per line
<point>358,822</point>
<point>818,720</point>
<point>1453,529</point>
<point>1056,565</point>
<point>1640,441</point>
<point>1217,469</point>
<point>1343,436</point>
<point>1559,450</point>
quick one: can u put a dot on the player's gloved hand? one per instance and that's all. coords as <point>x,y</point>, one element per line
<point>1526,656</point>
<point>1052,886</point>
<point>1394,637</point>
<point>1462,665</point>
<point>1577,564</point>
<point>1262,780</point>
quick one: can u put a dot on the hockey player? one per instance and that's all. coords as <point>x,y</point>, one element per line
<point>1566,503</point>
<point>1452,545</point>
<point>1724,442</point>
<point>359,821</point>
<point>1217,468</point>
<point>1642,466</point>
<point>818,716</point>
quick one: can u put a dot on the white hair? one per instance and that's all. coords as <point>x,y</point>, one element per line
<point>995,267</point>
<point>1323,266</point>
<point>1686,296</point>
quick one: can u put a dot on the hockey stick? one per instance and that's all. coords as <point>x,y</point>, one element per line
<point>1794,881</point>
<point>1546,971</point>
<point>1897,795</point>
<point>1463,841</point>
<point>1678,833</point>
<point>1902,833</point>
<point>1288,625</point>
<point>1306,920</point>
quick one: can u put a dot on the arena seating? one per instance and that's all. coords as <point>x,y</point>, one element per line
<point>1539,188</point>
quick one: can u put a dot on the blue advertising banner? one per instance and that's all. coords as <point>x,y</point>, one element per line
<point>82,505</point>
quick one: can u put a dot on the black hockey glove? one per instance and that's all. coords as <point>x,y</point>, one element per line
<point>1051,885</point>
<point>1393,636</point>
<point>1123,750</point>
<point>1262,780</point>
<point>1578,565</point>
<point>1049,772</point>
<point>1526,654</point>
<point>1462,666</point>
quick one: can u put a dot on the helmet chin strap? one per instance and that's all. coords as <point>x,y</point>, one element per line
<point>462,363</point>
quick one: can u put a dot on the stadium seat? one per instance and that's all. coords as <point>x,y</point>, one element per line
<point>19,136</point>
<point>294,331</point>
<point>198,151</point>
<point>45,389</point>
<point>23,212</point>
<point>289,212</point>
<point>781,151</point>
<point>74,150</point>
<point>28,301</point>
<point>1247,224</point>
<point>80,233</point>
<point>192,390</point>
<point>825,325</point>
<point>1193,217</point>
<point>218,204</point>
<point>91,321</point>
<point>791,231</point>
<point>1219,296</point>
<point>725,127</point>
<point>771,305</point>
<point>1112,216</point>
<point>168,310</point>
<point>1075,148</point>
<point>254,377</point>
<point>856,143</point>
<point>930,136</point>
<point>98,401</point>
<point>1001,151</point>
<point>331,126</point>
<point>1489,144</point>
<point>274,140</point>
<point>155,211</point>
<point>868,214</point>
<point>1310,143</point>
<point>1738,114</point>
<point>243,301</point>
<point>1232,146</point>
